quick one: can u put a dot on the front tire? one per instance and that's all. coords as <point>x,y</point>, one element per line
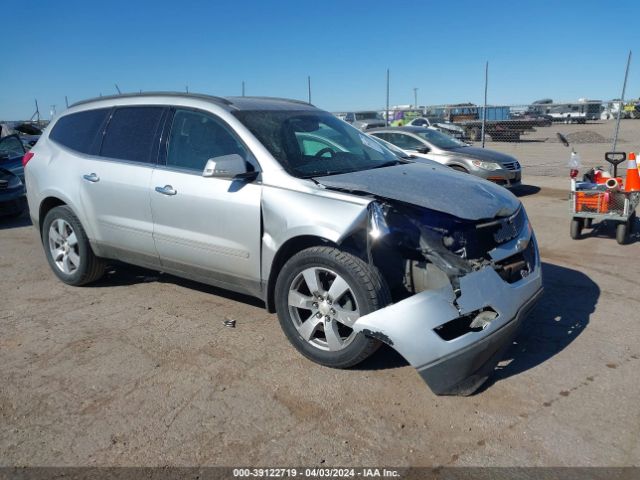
<point>320,292</point>
<point>67,248</point>
<point>576,228</point>
<point>622,233</point>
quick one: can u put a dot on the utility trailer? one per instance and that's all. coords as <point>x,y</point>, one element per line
<point>498,122</point>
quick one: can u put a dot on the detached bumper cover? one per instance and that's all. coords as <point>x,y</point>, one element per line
<point>457,366</point>
<point>462,372</point>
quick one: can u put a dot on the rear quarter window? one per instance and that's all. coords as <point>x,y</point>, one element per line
<point>131,132</point>
<point>80,131</point>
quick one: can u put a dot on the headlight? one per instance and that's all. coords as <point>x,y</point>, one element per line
<point>486,165</point>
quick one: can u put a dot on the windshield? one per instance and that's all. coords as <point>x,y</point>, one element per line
<point>440,140</point>
<point>315,143</point>
<point>368,116</point>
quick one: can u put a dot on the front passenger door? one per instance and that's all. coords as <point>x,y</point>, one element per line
<point>206,228</point>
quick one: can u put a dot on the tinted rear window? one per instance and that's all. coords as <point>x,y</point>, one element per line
<point>131,132</point>
<point>79,131</point>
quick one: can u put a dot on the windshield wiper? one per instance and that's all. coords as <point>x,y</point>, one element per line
<point>326,173</point>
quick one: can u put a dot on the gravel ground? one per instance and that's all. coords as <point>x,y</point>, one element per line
<point>140,370</point>
<point>541,153</point>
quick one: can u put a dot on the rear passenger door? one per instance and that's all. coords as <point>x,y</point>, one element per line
<point>115,184</point>
<point>206,228</point>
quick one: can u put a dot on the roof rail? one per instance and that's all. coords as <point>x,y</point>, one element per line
<point>291,100</point>
<point>212,98</point>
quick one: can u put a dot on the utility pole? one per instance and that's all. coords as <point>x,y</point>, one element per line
<point>243,88</point>
<point>624,87</point>
<point>186,88</point>
<point>118,89</point>
<point>309,87</point>
<point>484,109</point>
<point>415,97</point>
<point>66,101</point>
<point>386,116</point>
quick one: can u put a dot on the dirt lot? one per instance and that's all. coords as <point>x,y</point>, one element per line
<point>139,369</point>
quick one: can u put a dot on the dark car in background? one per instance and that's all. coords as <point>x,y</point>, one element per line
<point>12,194</point>
<point>12,191</point>
<point>12,149</point>
<point>27,132</point>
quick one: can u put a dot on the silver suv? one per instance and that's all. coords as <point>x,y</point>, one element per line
<point>348,243</point>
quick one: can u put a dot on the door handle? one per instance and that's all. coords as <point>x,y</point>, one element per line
<point>166,190</point>
<point>92,177</point>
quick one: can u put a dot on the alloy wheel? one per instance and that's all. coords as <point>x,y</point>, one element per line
<point>323,308</point>
<point>63,246</point>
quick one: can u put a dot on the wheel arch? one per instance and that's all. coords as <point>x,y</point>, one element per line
<point>46,206</point>
<point>285,252</point>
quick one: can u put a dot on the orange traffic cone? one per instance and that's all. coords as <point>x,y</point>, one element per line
<point>632,182</point>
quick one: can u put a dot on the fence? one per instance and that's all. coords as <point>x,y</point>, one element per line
<point>529,131</point>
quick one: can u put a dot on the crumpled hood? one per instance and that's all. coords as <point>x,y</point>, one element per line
<point>434,187</point>
<point>480,154</point>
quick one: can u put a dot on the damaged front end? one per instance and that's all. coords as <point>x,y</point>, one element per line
<point>460,287</point>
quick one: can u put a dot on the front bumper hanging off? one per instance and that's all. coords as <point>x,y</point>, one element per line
<point>456,366</point>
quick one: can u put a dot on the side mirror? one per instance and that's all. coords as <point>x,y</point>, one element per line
<point>225,166</point>
<point>424,149</point>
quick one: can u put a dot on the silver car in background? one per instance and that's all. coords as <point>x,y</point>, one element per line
<point>350,244</point>
<point>431,144</point>
<point>364,120</point>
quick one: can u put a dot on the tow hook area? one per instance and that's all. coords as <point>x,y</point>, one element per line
<point>473,322</point>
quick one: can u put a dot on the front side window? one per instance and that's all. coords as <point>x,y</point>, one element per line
<point>11,147</point>
<point>315,143</point>
<point>440,140</point>
<point>198,137</point>
<point>80,131</point>
<point>131,133</point>
<point>405,142</point>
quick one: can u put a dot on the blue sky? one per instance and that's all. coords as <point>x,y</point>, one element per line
<point>536,49</point>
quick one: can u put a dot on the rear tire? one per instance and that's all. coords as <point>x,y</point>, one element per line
<point>318,293</point>
<point>67,248</point>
